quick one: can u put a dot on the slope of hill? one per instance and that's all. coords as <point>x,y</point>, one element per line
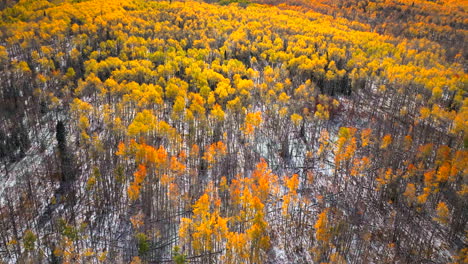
<point>443,22</point>
<point>157,132</point>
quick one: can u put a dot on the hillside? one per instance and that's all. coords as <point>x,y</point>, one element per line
<point>327,131</point>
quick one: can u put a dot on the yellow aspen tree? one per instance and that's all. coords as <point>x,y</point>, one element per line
<point>206,229</point>
<point>386,141</point>
<point>443,213</point>
<point>215,152</point>
<point>292,184</point>
<point>346,145</point>
<point>322,232</point>
<point>252,122</point>
<point>263,180</point>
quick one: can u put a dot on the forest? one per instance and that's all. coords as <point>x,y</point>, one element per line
<point>234,131</point>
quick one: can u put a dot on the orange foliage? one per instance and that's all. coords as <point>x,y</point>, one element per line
<point>134,188</point>
<point>346,145</point>
<point>443,213</point>
<point>176,166</point>
<point>263,179</point>
<point>214,152</point>
<point>366,137</point>
<point>321,226</point>
<point>121,149</point>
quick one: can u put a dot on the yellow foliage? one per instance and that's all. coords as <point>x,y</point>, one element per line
<point>422,198</point>
<point>120,149</point>
<point>386,140</point>
<point>283,97</point>
<point>263,180</point>
<point>425,112</point>
<point>296,119</point>
<point>463,191</point>
<point>336,258</point>
<point>346,145</point>
<point>144,122</point>
<point>223,186</point>
<point>366,137</point>
<point>176,166</point>
<point>84,122</point>
<point>137,220</point>
<point>292,183</point>
<point>429,179</point>
<point>461,257</point>
<point>206,227</point>
<point>136,260</point>
<point>88,252</point>
<point>443,172</point>
<point>321,226</point>
<point>443,213</point>
<point>218,112</point>
<point>215,152</point>
<point>384,179</point>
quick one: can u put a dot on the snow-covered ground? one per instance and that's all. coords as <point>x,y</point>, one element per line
<point>42,146</point>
